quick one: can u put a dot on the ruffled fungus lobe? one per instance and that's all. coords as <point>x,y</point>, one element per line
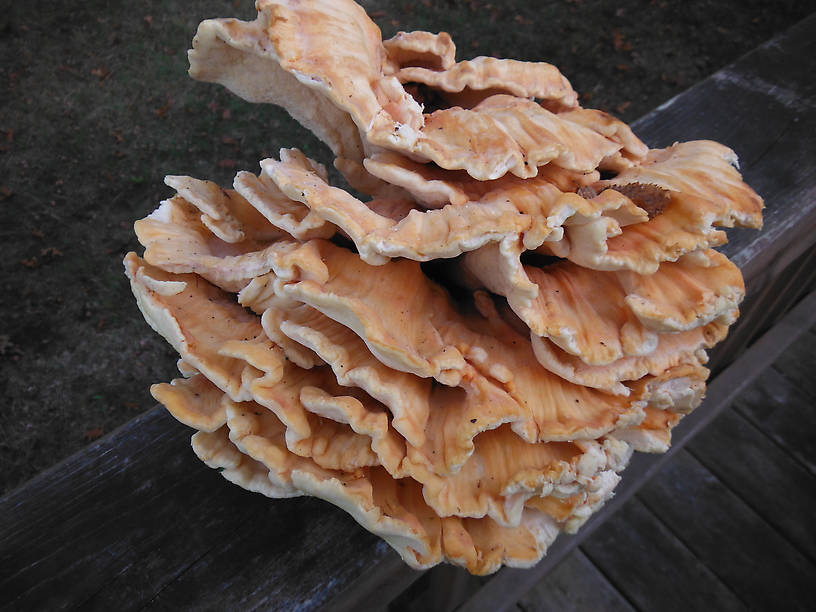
<point>472,416</point>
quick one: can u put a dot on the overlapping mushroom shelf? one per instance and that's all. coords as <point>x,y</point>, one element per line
<point>466,360</point>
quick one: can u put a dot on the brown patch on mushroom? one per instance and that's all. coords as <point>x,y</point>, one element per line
<point>587,192</point>
<point>649,197</point>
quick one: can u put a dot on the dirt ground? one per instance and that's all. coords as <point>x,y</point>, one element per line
<point>96,107</point>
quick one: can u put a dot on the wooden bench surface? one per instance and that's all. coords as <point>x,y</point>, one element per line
<point>135,520</point>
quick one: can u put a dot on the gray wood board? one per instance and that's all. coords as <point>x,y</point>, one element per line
<point>654,570</point>
<point>575,585</point>
<point>440,589</point>
<point>136,518</point>
<point>762,474</point>
<point>779,407</point>
<point>797,364</point>
<point>127,518</point>
<point>747,554</point>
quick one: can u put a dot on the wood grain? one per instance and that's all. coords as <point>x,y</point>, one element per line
<point>654,570</point>
<point>775,486</point>
<point>797,366</point>
<point>136,519</point>
<point>747,554</point>
<point>575,585</point>
<point>785,412</point>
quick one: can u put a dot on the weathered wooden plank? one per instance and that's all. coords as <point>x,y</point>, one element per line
<point>267,567</point>
<point>769,295</point>
<point>797,365</point>
<point>773,484</point>
<point>377,587</point>
<point>52,563</point>
<point>136,512</point>
<point>745,552</point>
<point>575,585</point>
<point>652,568</point>
<point>440,589</point>
<point>783,411</point>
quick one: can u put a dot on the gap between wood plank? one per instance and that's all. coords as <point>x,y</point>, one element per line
<point>747,502</point>
<point>751,420</point>
<point>756,508</point>
<point>802,453</point>
<point>150,602</point>
<point>656,517</point>
<point>575,585</point>
<point>636,538</point>
<point>697,535</point>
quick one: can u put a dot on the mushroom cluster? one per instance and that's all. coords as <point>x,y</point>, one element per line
<point>465,360</point>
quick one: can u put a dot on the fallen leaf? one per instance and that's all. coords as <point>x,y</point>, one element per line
<point>621,108</point>
<point>51,252</point>
<point>619,41</point>
<point>31,262</point>
<point>93,434</point>
<point>226,163</point>
<point>102,73</point>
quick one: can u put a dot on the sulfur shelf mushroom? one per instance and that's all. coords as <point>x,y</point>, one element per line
<point>396,513</point>
<point>465,358</point>
<point>509,134</point>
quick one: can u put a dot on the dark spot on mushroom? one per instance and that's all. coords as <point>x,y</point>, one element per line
<point>586,192</point>
<point>651,198</point>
